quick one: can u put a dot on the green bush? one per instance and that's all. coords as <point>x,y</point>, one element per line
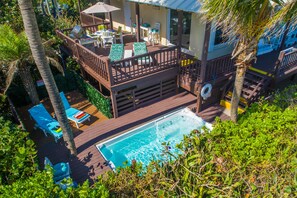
<point>19,176</point>
<point>101,102</point>
<point>257,157</point>
<point>5,111</point>
<point>41,184</point>
<point>17,153</point>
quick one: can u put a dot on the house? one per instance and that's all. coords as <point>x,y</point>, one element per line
<point>188,55</point>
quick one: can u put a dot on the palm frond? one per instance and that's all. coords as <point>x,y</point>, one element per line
<point>56,64</point>
<point>13,46</point>
<point>11,72</point>
<point>237,17</point>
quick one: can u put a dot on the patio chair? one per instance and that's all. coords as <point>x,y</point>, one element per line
<point>107,38</point>
<point>74,114</point>
<point>155,34</point>
<point>45,122</point>
<point>140,48</point>
<point>61,170</point>
<point>116,52</point>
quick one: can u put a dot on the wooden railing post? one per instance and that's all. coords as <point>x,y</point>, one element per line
<point>76,48</point>
<point>114,104</point>
<point>137,13</point>
<point>109,71</point>
<point>203,66</point>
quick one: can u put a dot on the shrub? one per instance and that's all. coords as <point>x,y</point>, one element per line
<point>101,102</point>
<point>41,184</point>
<point>257,157</point>
<point>17,153</point>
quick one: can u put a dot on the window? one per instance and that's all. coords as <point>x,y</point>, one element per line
<point>219,39</point>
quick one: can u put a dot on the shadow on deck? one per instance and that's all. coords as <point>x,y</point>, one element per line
<point>89,163</point>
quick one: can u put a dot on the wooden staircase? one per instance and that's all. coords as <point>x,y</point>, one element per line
<point>255,84</point>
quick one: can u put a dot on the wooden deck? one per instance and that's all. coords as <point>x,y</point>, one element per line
<point>89,163</point>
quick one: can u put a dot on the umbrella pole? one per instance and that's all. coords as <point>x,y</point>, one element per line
<point>93,18</point>
<point>110,20</point>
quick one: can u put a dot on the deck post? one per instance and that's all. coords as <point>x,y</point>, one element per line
<point>114,104</point>
<point>180,27</point>
<point>137,13</point>
<point>109,72</point>
<point>203,65</point>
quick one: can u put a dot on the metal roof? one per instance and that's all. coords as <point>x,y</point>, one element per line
<point>185,5</point>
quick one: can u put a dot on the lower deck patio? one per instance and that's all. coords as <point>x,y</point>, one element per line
<point>89,163</point>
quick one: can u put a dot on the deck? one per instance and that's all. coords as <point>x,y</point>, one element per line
<point>94,59</point>
<point>89,162</point>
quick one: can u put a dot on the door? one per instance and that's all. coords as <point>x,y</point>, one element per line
<point>186,28</point>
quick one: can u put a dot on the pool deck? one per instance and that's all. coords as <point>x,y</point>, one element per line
<point>89,163</point>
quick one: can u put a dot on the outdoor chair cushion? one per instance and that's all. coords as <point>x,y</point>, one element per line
<point>61,170</point>
<point>116,52</point>
<point>45,122</point>
<point>71,112</point>
<point>139,49</point>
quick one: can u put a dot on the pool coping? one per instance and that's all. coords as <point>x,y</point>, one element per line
<point>99,144</point>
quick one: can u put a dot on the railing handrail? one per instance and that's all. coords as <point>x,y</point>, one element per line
<point>287,63</point>
<point>152,62</point>
<point>90,53</point>
<point>220,58</point>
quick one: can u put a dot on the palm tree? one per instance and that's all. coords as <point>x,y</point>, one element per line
<point>38,54</point>
<point>246,21</point>
<point>16,58</point>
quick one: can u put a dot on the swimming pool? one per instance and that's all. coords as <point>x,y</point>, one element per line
<point>145,142</point>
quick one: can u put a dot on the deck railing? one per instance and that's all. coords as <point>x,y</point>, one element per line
<point>138,66</point>
<point>87,20</point>
<point>219,67</point>
<point>68,42</point>
<point>93,62</point>
<point>288,63</point>
<point>190,72</point>
<point>124,70</point>
<point>90,61</point>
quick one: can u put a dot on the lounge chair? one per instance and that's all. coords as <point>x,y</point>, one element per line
<point>116,52</point>
<point>45,122</point>
<point>74,114</point>
<point>61,170</point>
<point>140,48</point>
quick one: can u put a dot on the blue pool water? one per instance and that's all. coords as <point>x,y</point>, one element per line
<point>145,143</point>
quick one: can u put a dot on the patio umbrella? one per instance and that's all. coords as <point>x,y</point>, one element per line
<point>101,8</point>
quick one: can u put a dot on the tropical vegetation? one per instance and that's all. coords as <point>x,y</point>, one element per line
<point>16,58</point>
<point>255,157</point>
<point>246,21</point>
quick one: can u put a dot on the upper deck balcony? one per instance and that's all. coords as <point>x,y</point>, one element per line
<point>95,59</point>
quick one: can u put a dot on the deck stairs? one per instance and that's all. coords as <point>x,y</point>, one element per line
<point>254,85</point>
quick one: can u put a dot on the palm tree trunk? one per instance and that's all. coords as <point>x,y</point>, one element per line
<point>247,52</point>
<point>38,53</point>
<point>238,86</point>
<point>26,77</point>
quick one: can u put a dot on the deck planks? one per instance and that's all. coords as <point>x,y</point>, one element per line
<point>89,163</point>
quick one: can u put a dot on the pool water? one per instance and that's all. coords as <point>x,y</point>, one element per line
<point>145,143</point>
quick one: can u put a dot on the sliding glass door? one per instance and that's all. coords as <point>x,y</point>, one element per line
<point>186,28</point>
